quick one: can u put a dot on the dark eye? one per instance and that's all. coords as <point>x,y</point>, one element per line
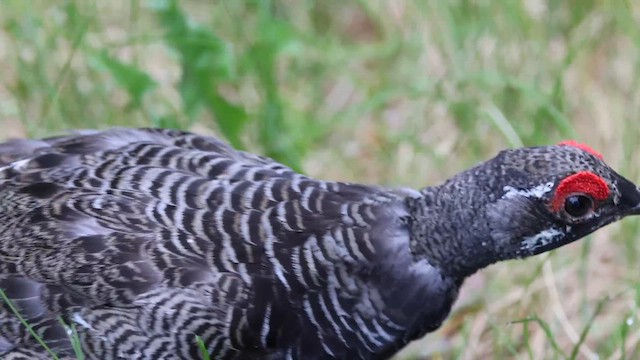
<point>578,205</point>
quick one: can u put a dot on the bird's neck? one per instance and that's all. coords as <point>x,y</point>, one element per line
<point>448,228</point>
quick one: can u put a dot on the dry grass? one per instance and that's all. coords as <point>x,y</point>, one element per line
<point>393,92</point>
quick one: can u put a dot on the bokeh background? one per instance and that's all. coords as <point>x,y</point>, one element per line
<point>398,92</point>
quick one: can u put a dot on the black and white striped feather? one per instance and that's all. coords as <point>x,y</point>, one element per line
<point>144,239</point>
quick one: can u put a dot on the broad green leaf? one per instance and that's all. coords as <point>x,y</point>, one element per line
<point>135,81</point>
<point>206,62</point>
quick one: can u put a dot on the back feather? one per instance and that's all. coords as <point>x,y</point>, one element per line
<point>143,239</point>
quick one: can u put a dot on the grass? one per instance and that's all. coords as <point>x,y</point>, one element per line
<point>402,93</point>
<point>25,323</point>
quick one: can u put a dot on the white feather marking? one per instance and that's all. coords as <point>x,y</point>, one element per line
<point>179,245</point>
<point>536,192</point>
<point>297,268</point>
<point>245,232</point>
<point>161,209</point>
<point>269,248</point>
<point>268,191</point>
<point>423,268</point>
<point>308,249</point>
<point>307,308</point>
<point>296,214</point>
<point>365,239</point>
<point>281,211</point>
<point>332,249</point>
<point>317,252</point>
<point>117,138</point>
<point>541,239</point>
<point>232,169</point>
<point>77,318</point>
<point>228,254</point>
<point>20,165</point>
<point>247,197</point>
<point>305,197</point>
<point>198,223</point>
<point>97,203</point>
<point>178,216</point>
<point>205,194</point>
<point>295,184</point>
<point>407,192</point>
<point>382,332</point>
<point>165,189</point>
<point>364,330</point>
<point>87,226</point>
<point>244,274</point>
<point>355,212</point>
<point>333,296</point>
<point>264,332</point>
<point>344,212</point>
<point>226,195</point>
<point>330,319</point>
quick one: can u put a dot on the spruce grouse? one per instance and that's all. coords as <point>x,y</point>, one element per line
<point>144,239</point>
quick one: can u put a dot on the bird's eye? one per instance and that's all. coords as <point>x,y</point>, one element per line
<point>578,205</point>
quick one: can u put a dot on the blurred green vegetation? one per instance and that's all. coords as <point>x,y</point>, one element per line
<point>402,93</point>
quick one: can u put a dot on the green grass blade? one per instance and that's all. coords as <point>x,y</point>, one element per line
<point>587,327</point>
<point>203,348</point>
<point>24,322</point>
<point>547,331</point>
<point>74,338</point>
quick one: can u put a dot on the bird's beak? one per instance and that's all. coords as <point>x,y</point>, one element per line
<point>636,209</point>
<point>629,201</point>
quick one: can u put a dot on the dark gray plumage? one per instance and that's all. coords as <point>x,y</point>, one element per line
<point>145,238</point>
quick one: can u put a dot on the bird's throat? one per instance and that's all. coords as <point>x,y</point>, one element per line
<point>455,239</point>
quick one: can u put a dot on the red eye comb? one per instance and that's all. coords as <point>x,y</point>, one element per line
<point>584,182</point>
<point>581,146</point>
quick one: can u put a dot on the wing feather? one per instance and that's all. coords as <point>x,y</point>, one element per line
<point>143,238</point>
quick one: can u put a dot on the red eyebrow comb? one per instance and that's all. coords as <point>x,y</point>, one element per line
<point>583,182</point>
<point>581,146</point>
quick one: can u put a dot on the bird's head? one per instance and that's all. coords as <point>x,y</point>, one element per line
<point>550,196</point>
<point>524,202</point>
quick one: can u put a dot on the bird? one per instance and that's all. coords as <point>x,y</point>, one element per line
<point>164,244</point>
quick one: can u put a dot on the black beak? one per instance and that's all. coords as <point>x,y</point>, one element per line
<point>629,201</point>
<point>636,209</point>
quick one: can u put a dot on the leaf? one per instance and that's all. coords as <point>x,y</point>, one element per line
<point>135,81</point>
<point>274,37</point>
<point>230,118</point>
<point>206,62</point>
<point>165,121</point>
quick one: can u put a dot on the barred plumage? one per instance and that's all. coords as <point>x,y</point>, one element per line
<point>145,238</point>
